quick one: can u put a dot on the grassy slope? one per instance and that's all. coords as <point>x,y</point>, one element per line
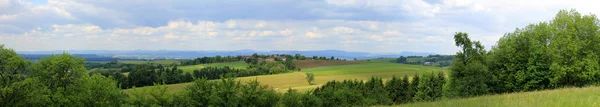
<point>296,80</point>
<point>568,97</point>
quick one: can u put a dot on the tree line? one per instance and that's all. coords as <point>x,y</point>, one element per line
<point>230,93</point>
<point>441,60</point>
<point>215,59</point>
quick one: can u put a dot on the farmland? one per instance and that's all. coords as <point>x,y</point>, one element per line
<point>296,80</point>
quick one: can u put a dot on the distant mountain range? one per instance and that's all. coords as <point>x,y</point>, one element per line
<point>177,54</point>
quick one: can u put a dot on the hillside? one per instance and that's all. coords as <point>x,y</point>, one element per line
<point>362,71</point>
<point>567,97</point>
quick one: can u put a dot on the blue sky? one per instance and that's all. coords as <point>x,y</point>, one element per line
<point>378,26</point>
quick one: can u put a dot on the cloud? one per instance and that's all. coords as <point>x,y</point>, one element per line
<point>313,35</point>
<point>171,36</point>
<point>376,37</point>
<point>352,25</point>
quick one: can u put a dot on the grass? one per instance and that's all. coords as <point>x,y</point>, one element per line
<point>163,62</point>
<point>319,63</point>
<point>363,71</point>
<point>191,68</point>
<point>567,97</point>
<point>371,67</point>
<point>381,60</point>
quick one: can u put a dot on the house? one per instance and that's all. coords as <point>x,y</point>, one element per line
<point>427,64</point>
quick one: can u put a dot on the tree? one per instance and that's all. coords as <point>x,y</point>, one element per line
<point>425,88</point>
<point>310,77</point>
<point>401,59</point>
<point>256,95</point>
<point>16,89</point>
<point>406,95</point>
<point>469,75</point>
<point>374,90</point>
<point>414,87</point>
<point>395,89</point>
<point>61,75</point>
<point>100,91</point>
<point>143,75</point>
<point>438,88</point>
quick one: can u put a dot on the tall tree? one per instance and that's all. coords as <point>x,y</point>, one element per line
<point>469,75</point>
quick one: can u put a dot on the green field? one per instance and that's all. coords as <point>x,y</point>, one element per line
<point>163,62</point>
<point>567,97</point>
<point>191,68</point>
<point>296,80</point>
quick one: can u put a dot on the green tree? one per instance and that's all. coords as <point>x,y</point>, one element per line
<point>406,94</point>
<point>414,87</point>
<point>425,88</point>
<point>395,89</point>
<point>401,59</point>
<point>374,90</point>
<point>99,91</point>
<point>310,77</point>
<point>255,95</point>
<point>62,75</point>
<point>14,89</point>
<point>469,75</point>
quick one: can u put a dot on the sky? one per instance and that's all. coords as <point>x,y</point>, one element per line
<point>376,26</point>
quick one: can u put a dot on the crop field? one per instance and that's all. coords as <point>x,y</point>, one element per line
<point>163,62</point>
<point>567,97</point>
<point>319,63</point>
<point>363,71</point>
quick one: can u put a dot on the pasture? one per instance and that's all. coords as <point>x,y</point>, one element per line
<point>319,63</point>
<point>566,97</point>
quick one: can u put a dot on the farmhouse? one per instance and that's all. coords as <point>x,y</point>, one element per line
<point>427,64</point>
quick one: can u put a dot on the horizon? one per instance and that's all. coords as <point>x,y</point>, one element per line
<point>380,26</point>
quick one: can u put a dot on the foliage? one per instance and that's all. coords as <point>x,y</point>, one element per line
<point>469,76</point>
<point>229,92</point>
<point>310,77</point>
<point>215,59</point>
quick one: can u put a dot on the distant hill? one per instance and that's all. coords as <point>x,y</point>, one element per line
<point>178,54</point>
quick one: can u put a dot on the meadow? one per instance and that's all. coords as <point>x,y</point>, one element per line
<point>566,97</point>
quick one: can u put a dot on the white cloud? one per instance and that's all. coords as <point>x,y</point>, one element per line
<point>376,37</point>
<point>286,32</point>
<point>390,25</point>
<point>344,30</point>
<point>313,35</point>
<point>171,36</point>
